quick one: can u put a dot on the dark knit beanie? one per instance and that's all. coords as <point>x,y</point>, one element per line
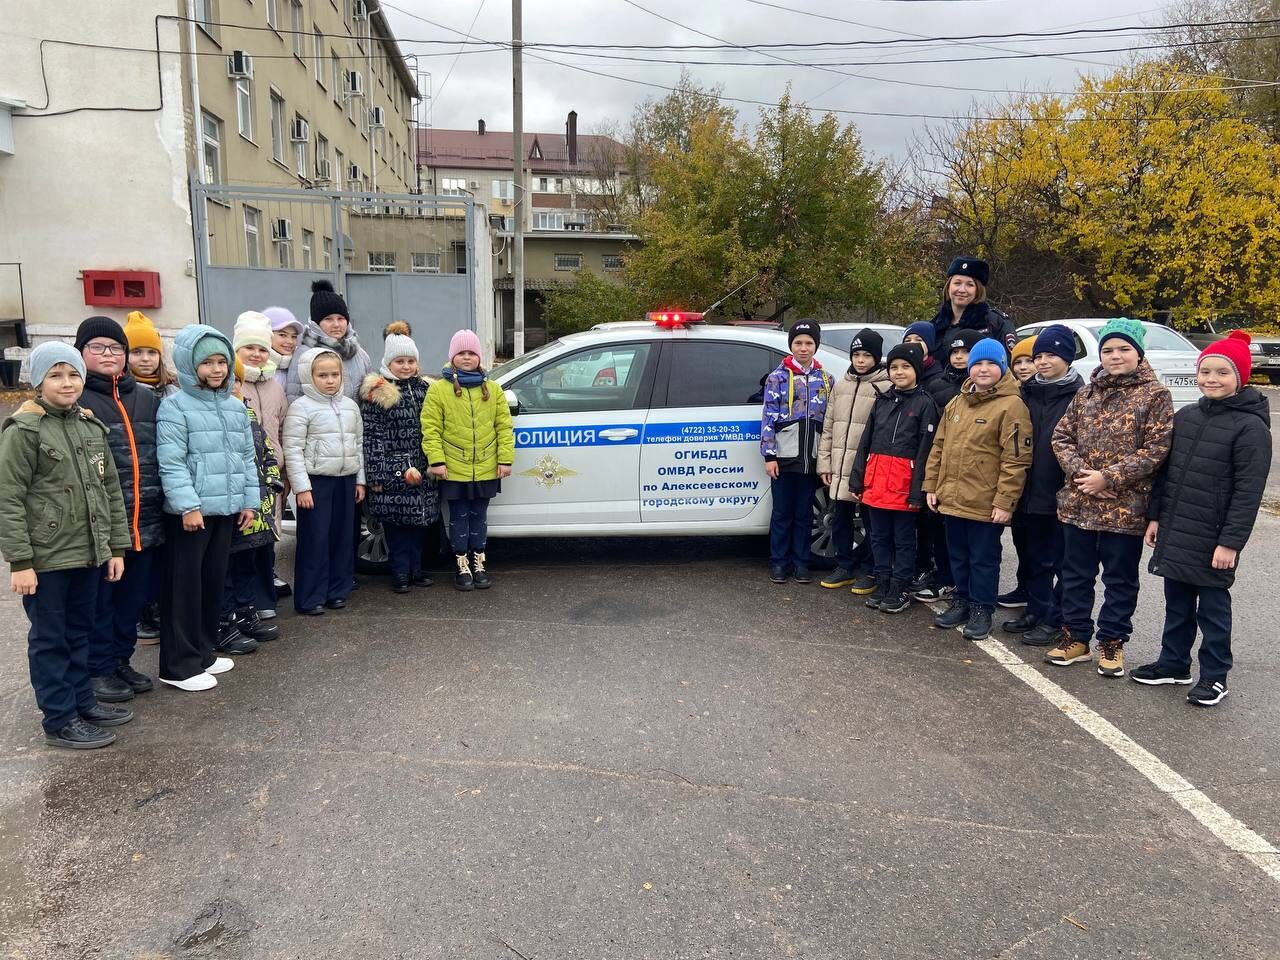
<point>925,331</point>
<point>970,267</point>
<point>811,327</point>
<point>913,353</point>
<point>96,327</point>
<point>868,340</point>
<point>1058,340</point>
<point>961,339</point>
<point>325,301</point>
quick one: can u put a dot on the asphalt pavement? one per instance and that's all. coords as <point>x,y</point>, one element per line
<point>636,749</point>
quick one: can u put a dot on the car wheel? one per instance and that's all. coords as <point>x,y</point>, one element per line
<point>821,546</point>
<point>372,555</point>
<point>1273,376</point>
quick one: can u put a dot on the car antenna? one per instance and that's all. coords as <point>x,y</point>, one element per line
<point>718,303</point>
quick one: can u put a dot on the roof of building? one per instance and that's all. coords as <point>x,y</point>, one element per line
<point>491,150</point>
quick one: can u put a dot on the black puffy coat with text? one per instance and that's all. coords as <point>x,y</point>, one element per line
<point>392,414</point>
<point>1046,402</point>
<point>1209,490</point>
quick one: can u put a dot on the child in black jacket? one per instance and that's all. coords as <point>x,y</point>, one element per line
<point>1201,512</point>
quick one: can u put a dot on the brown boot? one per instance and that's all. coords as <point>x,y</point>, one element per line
<point>1110,658</point>
<point>1068,650</point>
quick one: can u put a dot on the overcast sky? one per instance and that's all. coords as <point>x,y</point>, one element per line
<point>478,85</point>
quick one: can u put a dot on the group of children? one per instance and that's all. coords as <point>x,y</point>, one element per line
<point>942,445</point>
<point>123,485</point>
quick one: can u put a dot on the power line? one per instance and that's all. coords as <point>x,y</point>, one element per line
<point>445,81</point>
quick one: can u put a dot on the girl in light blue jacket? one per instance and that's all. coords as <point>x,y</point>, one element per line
<point>210,481</point>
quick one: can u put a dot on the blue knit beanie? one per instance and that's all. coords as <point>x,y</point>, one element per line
<point>925,331</point>
<point>993,350</point>
<point>1130,331</point>
<point>1057,340</point>
<point>44,357</point>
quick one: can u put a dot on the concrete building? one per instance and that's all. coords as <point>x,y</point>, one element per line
<point>569,179</point>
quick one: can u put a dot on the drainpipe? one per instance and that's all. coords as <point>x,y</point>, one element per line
<point>193,67</point>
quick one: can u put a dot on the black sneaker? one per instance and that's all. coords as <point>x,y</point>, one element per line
<point>80,735</point>
<point>1042,635</point>
<point>878,595</point>
<point>146,630</point>
<point>110,689</point>
<point>1012,600</point>
<point>252,626</point>
<point>801,575</point>
<point>1207,693</point>
<point>335,604</point>
<point>776,574</point>
<point>863,585</point>
<point>920,581</point>
<point>896,599</point>
<point>1156,675</point>
<point>955,614</point>
<point>422,579</point>
<point>138,682</point>
<point>1019,625</point>
<point>400,583</point>
<point>839,577</point>
<point>230,640</point>
<point>282,588</point>
<point>979,625</point>
<point>928,590</point>
<point>105,715</point>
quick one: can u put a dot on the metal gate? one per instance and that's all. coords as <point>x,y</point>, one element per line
<point>392,256</point>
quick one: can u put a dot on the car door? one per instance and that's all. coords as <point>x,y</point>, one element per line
<point>700,459</point>
<point>578,427</point>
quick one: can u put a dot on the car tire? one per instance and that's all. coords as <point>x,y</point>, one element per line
<point>1273,376</point>
<point>372,555</point>
<point>821,547</point>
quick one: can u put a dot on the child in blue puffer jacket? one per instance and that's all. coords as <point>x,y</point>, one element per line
<point>210,480</point>
<point>795,404</point>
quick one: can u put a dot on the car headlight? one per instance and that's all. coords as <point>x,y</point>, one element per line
<point>1255,348</point>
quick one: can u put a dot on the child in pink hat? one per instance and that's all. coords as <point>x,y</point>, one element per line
<point>470,446</point>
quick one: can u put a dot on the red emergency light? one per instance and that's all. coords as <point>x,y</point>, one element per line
<point>674,319</point>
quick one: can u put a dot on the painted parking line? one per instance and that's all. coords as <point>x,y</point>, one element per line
<point>1234,834</point>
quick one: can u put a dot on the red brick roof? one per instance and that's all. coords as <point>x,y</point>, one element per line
<point>491,150</point>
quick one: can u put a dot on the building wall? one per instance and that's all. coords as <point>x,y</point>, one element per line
<point>102,189</point>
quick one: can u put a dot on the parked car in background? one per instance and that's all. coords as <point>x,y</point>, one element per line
<point>838,336</point>
<point>1171,355</point>
<point>1265,349</point>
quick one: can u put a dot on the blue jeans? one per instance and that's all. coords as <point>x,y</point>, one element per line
<point>468,525</point>
<point>849,556</point>
<point>893,542</point>
<point>1118,555</point>
<point>115,628</point>
<point>791,523</point>
<point>404,548</point>
<point>974,546</point>
<point>1044,554</point>
<point>324,565</point>
<point>1185,606</point>
<point>61,612</point>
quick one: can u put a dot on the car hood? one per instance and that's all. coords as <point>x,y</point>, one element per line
<point>1166,361</point>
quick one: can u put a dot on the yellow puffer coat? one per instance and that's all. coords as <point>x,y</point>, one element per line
<point>470,435</point>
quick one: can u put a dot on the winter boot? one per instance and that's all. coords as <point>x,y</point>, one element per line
<point>479,576</point>
<point>957,612</point>
<point>422,579</point>
<point>462,580</point>
<point>979,625</point>
<point>1068,650</point>
<point>877,596</point>
<point>400,583</point>
<point>896,599</point>
<point>251,625</point>
<point>1111,658</point>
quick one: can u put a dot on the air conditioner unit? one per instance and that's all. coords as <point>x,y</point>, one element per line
<point>355,83</point>
<point>240,65</point>
<point>299,131</point>
<point>377,117</point>
<point>474,185</point>
<point>281,229</point>
<point>358,10</point>
<point>353,172</point>
<point>324,170</point>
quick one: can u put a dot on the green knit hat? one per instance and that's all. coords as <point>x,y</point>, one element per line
<point>1130,331</point>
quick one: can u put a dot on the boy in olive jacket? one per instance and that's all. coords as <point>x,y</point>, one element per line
<point>62,531</point>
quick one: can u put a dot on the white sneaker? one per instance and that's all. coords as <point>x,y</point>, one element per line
<point>201,681</point>
<point>220,665</point>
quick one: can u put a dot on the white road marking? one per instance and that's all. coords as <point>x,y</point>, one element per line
<point>1234,834</point>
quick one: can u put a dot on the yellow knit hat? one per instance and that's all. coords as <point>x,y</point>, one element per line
<point>1021,349</point>
<point>141,332</point>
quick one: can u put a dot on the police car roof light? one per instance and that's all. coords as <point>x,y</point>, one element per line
<point>674,319</point>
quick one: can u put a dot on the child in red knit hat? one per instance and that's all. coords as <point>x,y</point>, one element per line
<point>1200,515</point>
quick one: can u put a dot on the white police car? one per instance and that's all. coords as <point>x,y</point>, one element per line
<point>643,428</point>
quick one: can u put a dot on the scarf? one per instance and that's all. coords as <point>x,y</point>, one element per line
<point>346,348</point>
<point>151,381</point>
<point>1071,372</point>
<point>461,378</point>
<point>256,374</point>
<point>279,359</point>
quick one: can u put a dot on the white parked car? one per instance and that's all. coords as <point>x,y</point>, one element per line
<point>838,336</point>
<point>1171,355</point>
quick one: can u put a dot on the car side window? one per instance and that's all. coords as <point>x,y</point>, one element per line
<point>707,373</point>
<point>600,378</point>
<point>1081,350</point>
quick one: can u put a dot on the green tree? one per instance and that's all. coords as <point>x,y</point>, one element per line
<point>590,300</point>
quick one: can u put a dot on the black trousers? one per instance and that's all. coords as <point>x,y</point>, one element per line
<point>404,548</point>
<point>115,629</point>
<point>195,573</point>
<point>61,614</point>
<point>325,563</point>
<point>1023,546</point>
<point>1185,606</point>
<point>1118,555</point>
<point>931,548</point>
<point>1043,584</point>
<point>855,558</point>
<point>893,542</point>
<point>250,580</point>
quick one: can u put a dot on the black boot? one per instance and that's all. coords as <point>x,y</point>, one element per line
<point>422,579</point>
<point>251,625</point>
<point>400,583</point>
<point>877,596</point>
<point>462,580</point>
<point>955,614</point>
<point>479,576</point>
<point>230,640</point>
<point>979,625</point>
<point>897,599</point>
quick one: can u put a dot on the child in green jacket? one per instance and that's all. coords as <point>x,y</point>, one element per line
<point>62,531</point>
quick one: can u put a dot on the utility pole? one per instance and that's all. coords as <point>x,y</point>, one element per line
<point>517,185</point>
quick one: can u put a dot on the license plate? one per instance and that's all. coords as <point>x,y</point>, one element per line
<point>1179,381</point>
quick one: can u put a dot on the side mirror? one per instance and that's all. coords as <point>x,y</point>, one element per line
<point>513,401</point>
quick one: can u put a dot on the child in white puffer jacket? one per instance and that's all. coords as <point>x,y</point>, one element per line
<point>323,450</point>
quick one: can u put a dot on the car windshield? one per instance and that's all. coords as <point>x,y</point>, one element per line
<point>1160,338</point>
<point>839,339</point>
<point>510,366</point>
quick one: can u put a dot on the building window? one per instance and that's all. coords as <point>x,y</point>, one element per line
<point>336,65</point>
<point>322,159</point>
<point>611,262</point>
<point>273,14</point>
<point>206,15</point>
<point>277,127</point>
<point>252,240</point>
<point>328,253</point>
<point>284,254</point>
<point>317,40</point>
<point>211,137</point>
<point>544,185</point>
<point>339,168</point>
<point>545,220</point>
<point>300,154</point>
<point>382,261</point>
<point>568,261</point>
<point>426,262</point>
<point>453,186</point>
<point>459,257</point>
<point>299,32</point>
<point>308,245</point>
<point>502,190</point>
<point>559,184</point>
<point>244,107</point>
